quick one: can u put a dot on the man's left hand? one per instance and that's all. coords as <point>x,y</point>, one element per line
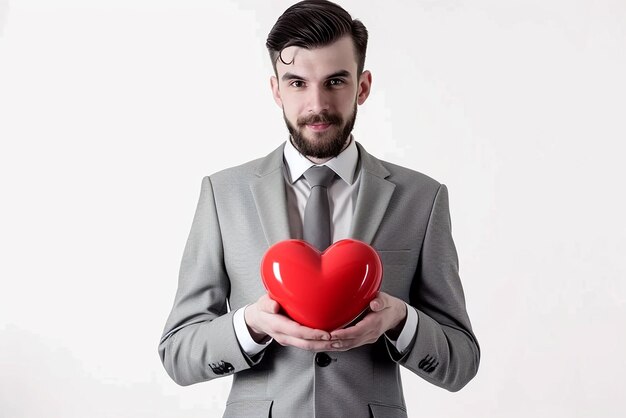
<point>388,315</point>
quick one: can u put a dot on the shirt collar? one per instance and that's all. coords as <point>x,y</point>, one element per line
<point>344,164</point>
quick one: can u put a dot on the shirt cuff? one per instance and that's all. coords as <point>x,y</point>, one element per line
<point>408,331</point>
<point>247,343</point>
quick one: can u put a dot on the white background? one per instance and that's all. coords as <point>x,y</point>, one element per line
<point>112,111</point>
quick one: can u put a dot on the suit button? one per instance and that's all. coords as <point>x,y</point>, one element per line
<point>322,359</point>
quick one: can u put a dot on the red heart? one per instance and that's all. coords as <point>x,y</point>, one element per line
<point>322,290</point>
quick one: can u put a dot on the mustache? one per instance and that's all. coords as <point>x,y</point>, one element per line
<point>320,118</point>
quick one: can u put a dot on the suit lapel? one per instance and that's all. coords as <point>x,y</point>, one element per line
<point>268,190</point>
<point>270,198</point>
<point>373,197</point>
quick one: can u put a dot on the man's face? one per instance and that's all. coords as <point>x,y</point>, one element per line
<point>319,93</point>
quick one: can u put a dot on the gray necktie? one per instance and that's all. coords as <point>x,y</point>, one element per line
<point>317,210</point>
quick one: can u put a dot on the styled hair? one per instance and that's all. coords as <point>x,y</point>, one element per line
<point>312,24</point>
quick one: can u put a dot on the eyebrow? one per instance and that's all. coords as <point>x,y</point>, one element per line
<point>292,76</point>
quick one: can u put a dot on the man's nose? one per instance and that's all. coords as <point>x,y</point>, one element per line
<point>319,100</point>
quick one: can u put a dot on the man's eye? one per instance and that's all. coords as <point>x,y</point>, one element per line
<point>297,83</point>
<point>335,82</point>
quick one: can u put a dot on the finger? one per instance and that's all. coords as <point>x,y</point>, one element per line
<point>354,332</point>
<point>344,345</point>
<point>286,326</point>
<point>310,345</point>
<point>365,332</point>
<point>349,344</point>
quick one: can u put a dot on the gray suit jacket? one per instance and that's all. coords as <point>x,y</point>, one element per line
<point>241,212</point>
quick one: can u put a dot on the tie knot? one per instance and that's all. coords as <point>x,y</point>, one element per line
<point>319,176</point>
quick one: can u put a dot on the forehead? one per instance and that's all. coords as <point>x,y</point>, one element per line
<point>319,62</point>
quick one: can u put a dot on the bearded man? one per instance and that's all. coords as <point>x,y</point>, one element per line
<point>224,323</point>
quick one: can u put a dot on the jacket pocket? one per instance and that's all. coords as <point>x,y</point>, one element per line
<point>386,411</point>
<point>248,409</point>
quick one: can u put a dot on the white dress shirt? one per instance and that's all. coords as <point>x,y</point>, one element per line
<point>342,194</point>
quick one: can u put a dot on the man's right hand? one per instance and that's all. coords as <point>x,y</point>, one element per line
<point>264,320</point>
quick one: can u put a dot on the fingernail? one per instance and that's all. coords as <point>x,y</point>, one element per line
<point>325,337</point>
<point>335,345</point>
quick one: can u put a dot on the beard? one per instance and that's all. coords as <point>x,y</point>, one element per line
<point>327,144</point>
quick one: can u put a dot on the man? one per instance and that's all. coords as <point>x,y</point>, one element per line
<point>224,323</point>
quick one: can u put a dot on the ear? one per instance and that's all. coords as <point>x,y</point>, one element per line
<point>276,91</point>
<point>365,85</point>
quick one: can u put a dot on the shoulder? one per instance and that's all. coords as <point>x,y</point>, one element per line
<point>236,174</point>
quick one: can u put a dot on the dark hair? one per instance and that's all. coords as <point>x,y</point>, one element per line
<point>312,24</point>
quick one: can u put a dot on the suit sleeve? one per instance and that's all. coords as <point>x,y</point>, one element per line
<point>199,341</point>
<point>444,351</point>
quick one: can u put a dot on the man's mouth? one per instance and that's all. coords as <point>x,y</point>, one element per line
<point>318,127</point>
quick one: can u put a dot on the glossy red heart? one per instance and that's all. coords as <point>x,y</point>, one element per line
<point>322,290</point>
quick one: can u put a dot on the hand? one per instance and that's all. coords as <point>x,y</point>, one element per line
<point>388,314</point>
<point>263,320</point>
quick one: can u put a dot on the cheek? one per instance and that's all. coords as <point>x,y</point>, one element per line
<point>292,109</point>
<point>291,114</point>
<point>348,107</point>
<point>348,98</point>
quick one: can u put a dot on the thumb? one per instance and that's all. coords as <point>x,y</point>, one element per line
<point>376,304</point>
<point>271,306</point>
